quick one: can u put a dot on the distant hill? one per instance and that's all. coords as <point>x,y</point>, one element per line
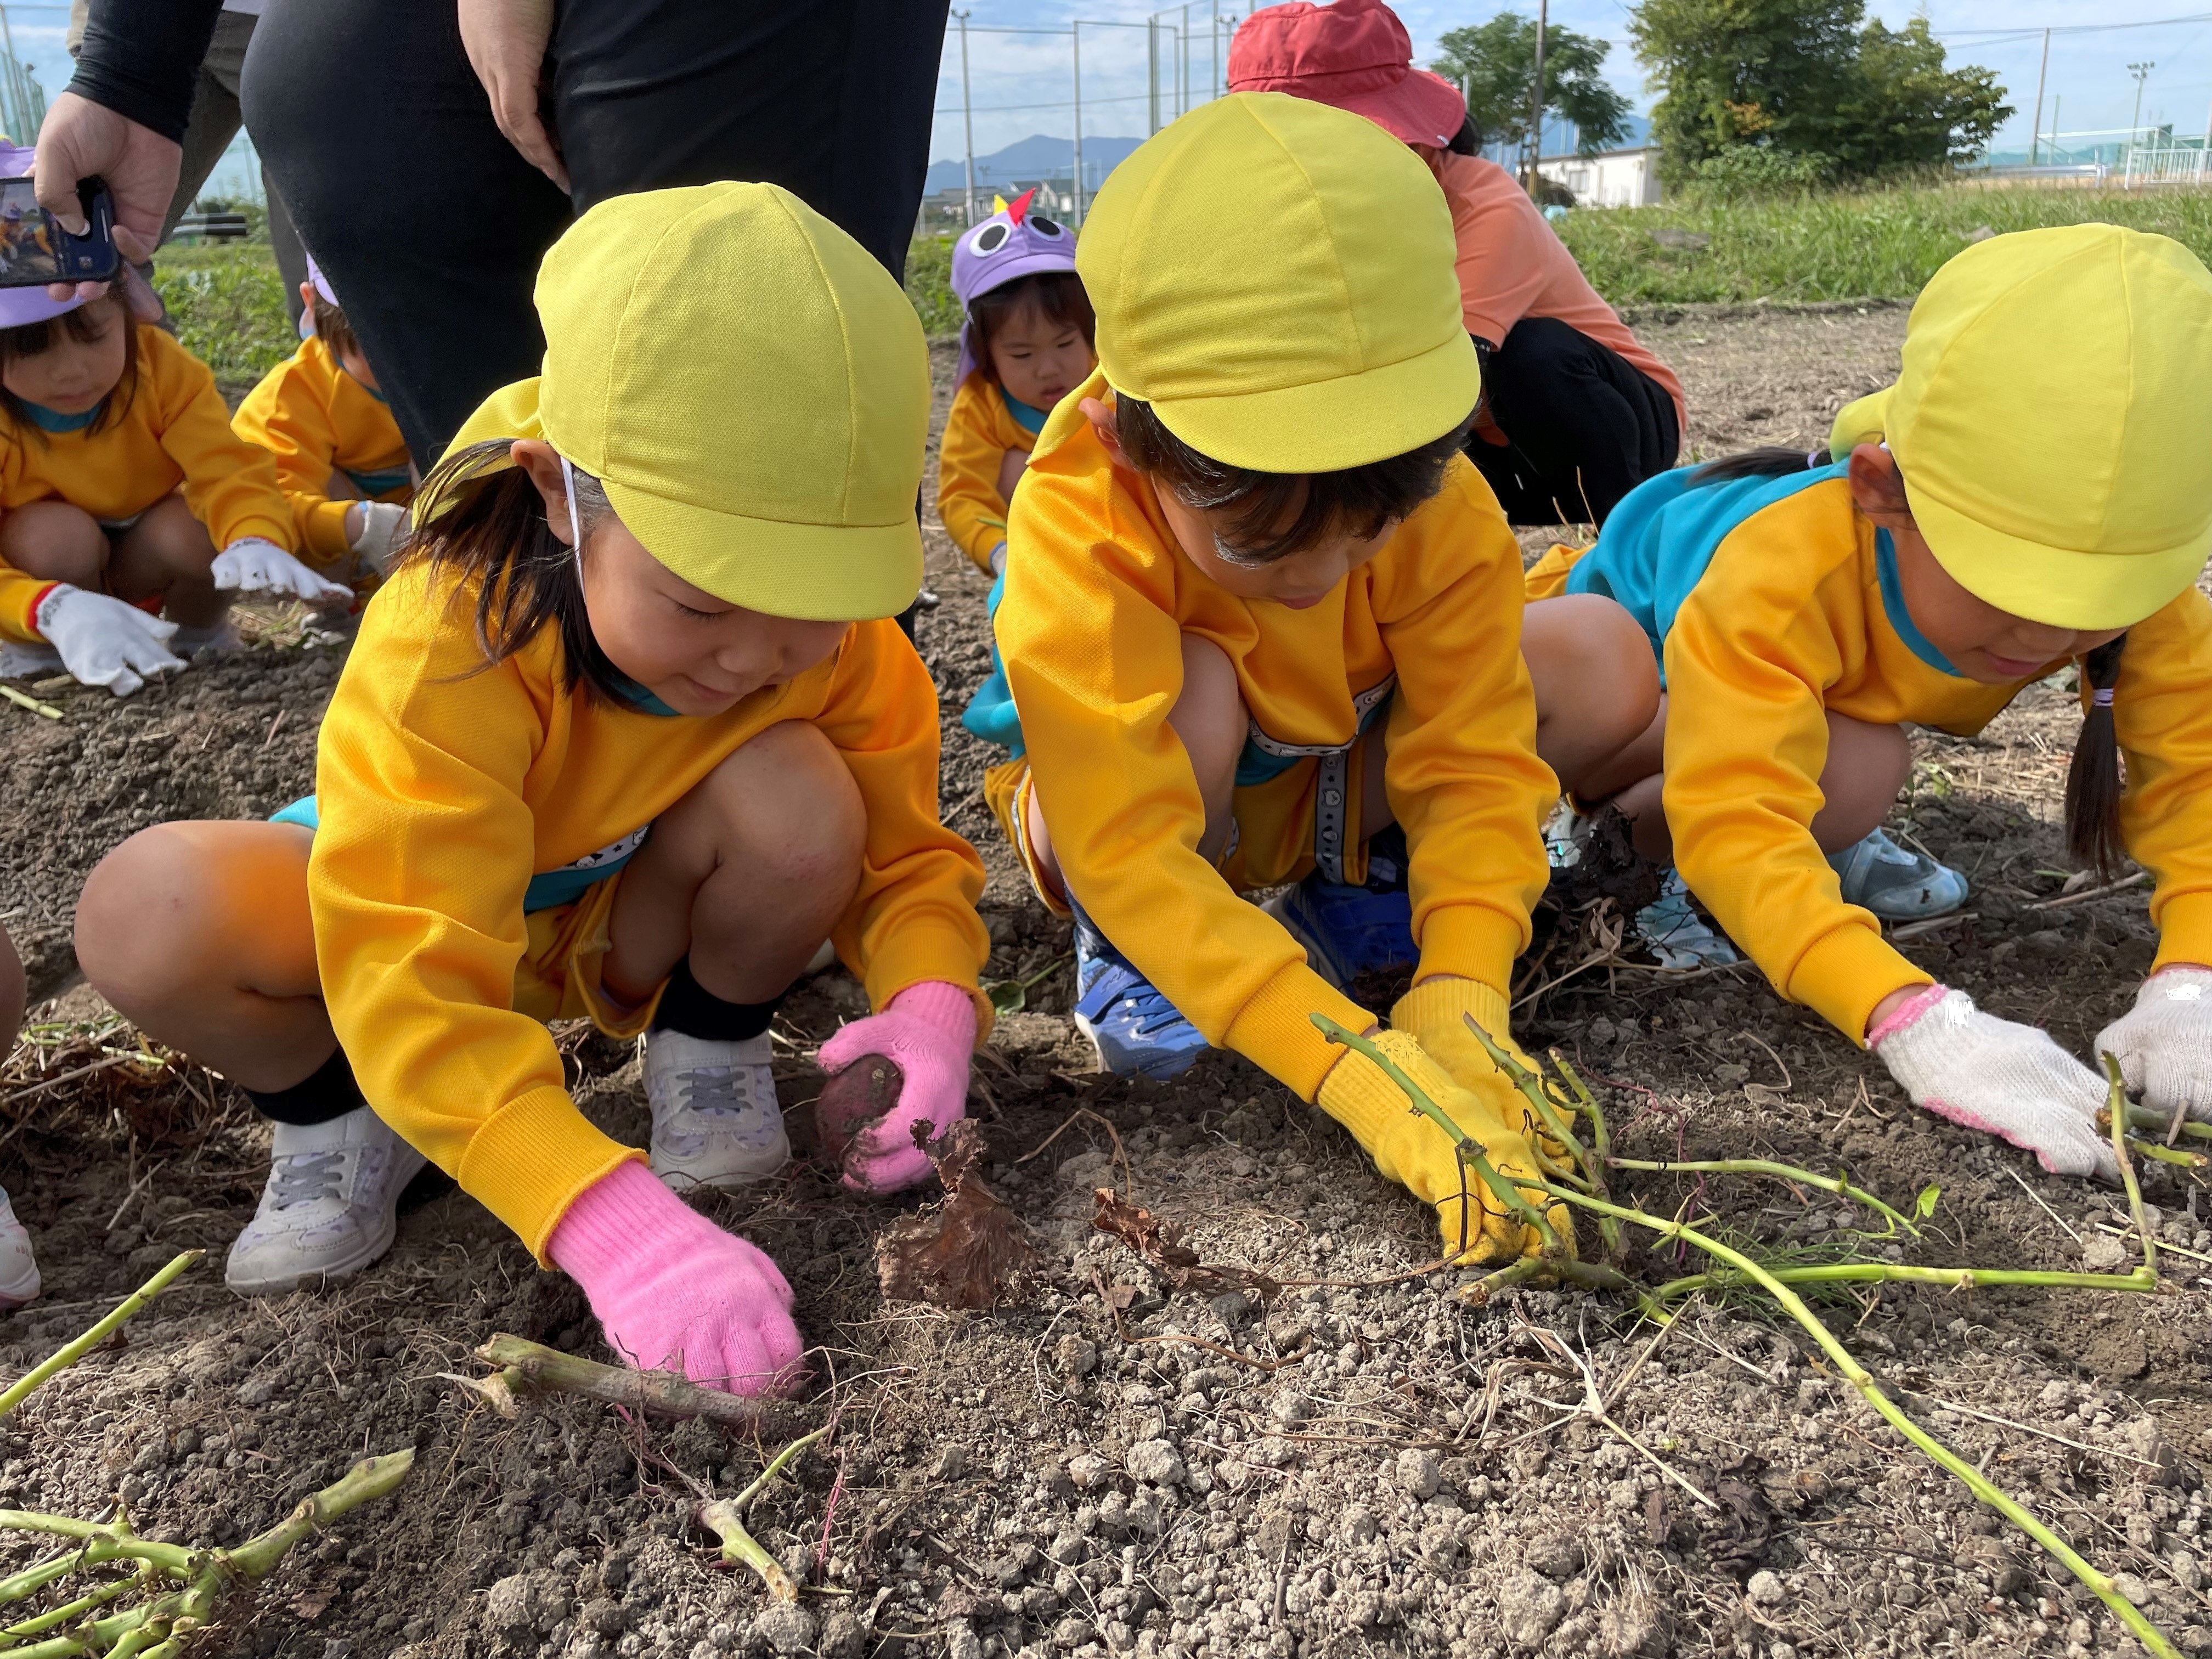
<point>1027,159</point>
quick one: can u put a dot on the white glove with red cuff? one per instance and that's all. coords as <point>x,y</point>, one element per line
<point>2165,1044</point>
<point>102,640</point>
<point>252,565</point>
<point>1991,1074</point>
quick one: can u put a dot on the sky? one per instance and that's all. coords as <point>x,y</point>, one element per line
<point>1024,83</point>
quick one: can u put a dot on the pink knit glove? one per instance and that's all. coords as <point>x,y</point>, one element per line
<point>674,1291</point>
<point>928,1031</point>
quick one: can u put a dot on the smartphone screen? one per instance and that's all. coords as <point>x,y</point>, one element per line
<point>30,242</point>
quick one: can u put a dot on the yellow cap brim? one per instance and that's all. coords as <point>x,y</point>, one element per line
<point>809,572</point>
<point>2055,586</point>
<point>1326,426</point>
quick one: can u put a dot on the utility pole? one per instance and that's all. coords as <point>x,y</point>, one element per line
<point>2035,135</point>
<point>1078,122</point>
<point>1152,53</point>
<point>1215,91</point>
<point>967,116</point>
<point>1536,98</point>
<point>2141,72</point>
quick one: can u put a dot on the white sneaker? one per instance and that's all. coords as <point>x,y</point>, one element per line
<point>716,1120</point>
<point>19,1268</point>
<point>331,1206</point>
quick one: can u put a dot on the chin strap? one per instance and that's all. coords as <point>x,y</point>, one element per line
<point>575,524</point>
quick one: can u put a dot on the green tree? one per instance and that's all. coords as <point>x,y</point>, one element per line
<point>1809,78</point>
<point>1495,64</point>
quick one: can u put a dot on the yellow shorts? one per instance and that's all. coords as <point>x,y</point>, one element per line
<point>1275,825</point>
<point>558,977</point>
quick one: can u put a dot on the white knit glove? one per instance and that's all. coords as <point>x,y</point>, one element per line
<point>382,524</point>
<point>2165,1045</point>
<point>1991,1074</point>
<point>104,642</point>
<point>252,565</point>
<point>999,559</point>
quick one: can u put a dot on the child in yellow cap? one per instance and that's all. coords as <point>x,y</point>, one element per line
<point>629,732</point>
<point>340,459</point>
<point>1262,623</point>
<point>2035,489</point>
<point>1026,344</point>
<point>131,513</point>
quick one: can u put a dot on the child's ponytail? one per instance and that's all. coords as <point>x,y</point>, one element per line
<point>2093,777</point>
<point>1767,461</point>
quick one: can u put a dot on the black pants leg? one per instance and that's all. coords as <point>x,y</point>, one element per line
<point>431,227</point>
<point>1584,425</point>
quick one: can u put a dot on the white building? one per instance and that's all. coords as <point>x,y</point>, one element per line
<point>1611,178</point>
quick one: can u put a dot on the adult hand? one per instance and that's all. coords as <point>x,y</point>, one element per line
<point>673,1290</point>
<point>103,641</point>
<point>928,1031</point>
<point>506,41</point>
<point>2164,1045</point>
<point>80,138</point>
<point>1996,1075</point>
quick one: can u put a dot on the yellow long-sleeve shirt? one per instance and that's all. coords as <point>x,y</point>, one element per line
<point>979,430</point>
<point>174,431</point>
<point>317,419</point>
<point>1098,597</point>
<point>443,787</point>
<point>1788,621</point>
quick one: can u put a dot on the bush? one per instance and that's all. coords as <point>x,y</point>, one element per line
<point>1747,170</point>
<point>228,306</point>
<point>929,284</point>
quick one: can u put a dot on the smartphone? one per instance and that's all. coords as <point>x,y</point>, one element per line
<point>35,250</point>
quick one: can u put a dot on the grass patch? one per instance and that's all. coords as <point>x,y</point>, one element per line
<point>1881,244</point>
<point>229,305</point>
<point>929,284</point>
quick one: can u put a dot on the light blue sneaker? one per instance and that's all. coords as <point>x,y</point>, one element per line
<point>1896,885</point>
<point>1675,933</point>
<point>1134,1029</point>
<point>1349,931</point>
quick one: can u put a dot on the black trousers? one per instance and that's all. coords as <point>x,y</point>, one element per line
<point>431,226</point>
<point>1584,426</point>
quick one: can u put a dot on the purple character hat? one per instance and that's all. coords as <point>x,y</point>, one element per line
<point>19,305</point>
<point>321,283</point>
<point>1013,242</point>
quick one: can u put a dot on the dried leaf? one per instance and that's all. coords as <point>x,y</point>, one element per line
<point>1735,1539</point>
<point>965,1253</point>
<point>1159,1242</point>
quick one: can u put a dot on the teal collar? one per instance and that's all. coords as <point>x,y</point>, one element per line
<point>1892,604</point>
<point>48,420</point>
<point>1030,420</point>
<point>644,702</point>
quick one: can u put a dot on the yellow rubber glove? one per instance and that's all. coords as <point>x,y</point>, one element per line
<point>1437,1011</point>
<point>1412,1151</point>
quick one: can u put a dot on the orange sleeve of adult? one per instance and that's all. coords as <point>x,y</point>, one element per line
<point>2162,715</point>
<point>1502,265</point>
<point>1463,773</point>
<point>968,457</point>
<point>1747,662</point>
<point>913,918</point>
<point>230,483</point>
<point>283,415</point>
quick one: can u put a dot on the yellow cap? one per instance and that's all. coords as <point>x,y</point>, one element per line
<point>2052,420</point>
<point>1276,278</point>
<point>749,385</point>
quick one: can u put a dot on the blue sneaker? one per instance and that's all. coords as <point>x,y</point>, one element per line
<point>1896,885</point>
<point>1349,931</point>
<point>1673,932</point>
<point>1135,1029</point>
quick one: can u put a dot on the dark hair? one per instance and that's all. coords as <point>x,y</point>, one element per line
<point>2093,786</point>
<point>485,524</point>
<point>332,327</point>
<point>1058,294</point>
<point>31,339</point>
<point>1467,141</point>
<point>1767,461</point>
<point>1362,499</point>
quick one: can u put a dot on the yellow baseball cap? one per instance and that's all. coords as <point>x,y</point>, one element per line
<point>1276,278</point>
<point>749,385</point>
<point>2052,420</point>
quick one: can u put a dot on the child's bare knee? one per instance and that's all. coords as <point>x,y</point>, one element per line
<point>1586,650</point>
<point>56,542</point>
<point>174,539</point>
<point>789,800</point>
<point>139,929</point>
<point>1209,714</point>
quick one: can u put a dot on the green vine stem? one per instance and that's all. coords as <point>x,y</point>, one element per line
<point>724,1518</point>
<point>1547,1113</point>
<point>63,1615</point>
<point>2142,1117</point>
<point>1760,1166</point>
<point>1996,1496</point>
<point>2159,1152</point>
<point>1886,1272</point>
<point>1601,1144</point>
<point>2116,1100</point>
<point>1471,1153</point>
<point>71,1352</point>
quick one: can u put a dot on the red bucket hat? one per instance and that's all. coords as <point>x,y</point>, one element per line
<point>1354,54</point>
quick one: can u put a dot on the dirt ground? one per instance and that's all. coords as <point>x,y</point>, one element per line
<point>1359,1465</point>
